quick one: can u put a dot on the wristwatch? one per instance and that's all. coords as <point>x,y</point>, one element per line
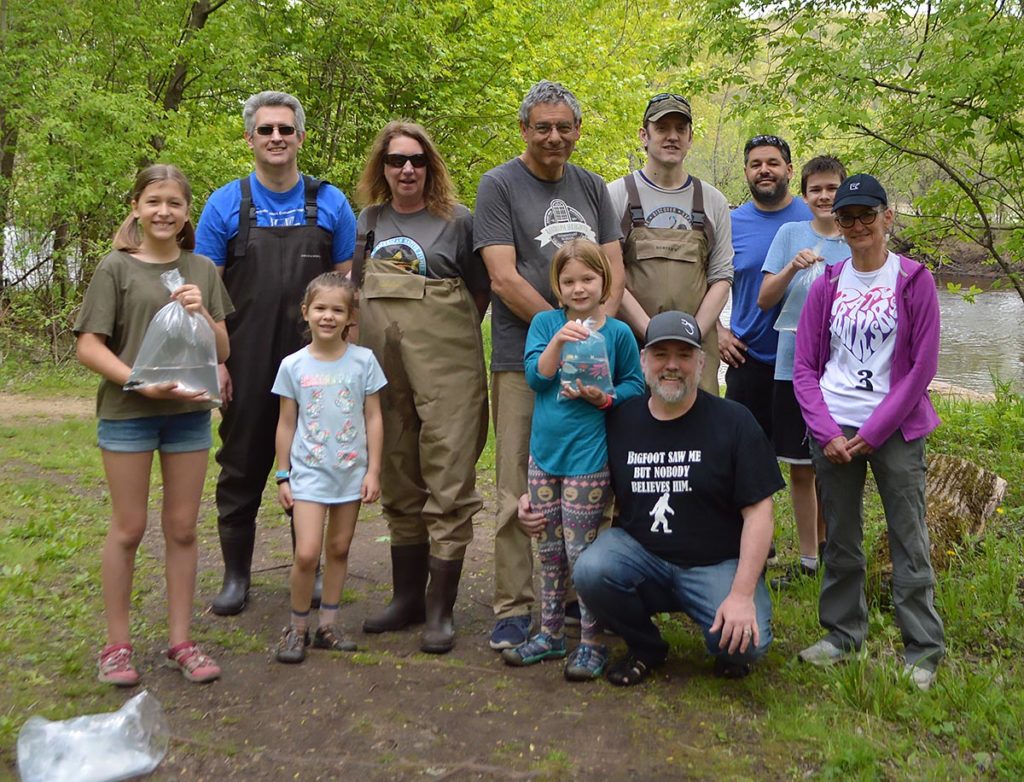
<point>282,475</point>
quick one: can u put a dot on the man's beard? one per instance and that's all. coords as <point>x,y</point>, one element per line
<point>670,396</point>
<point>771,197</point>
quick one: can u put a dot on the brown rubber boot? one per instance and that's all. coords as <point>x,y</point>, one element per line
<point>409,579</point>
<point>439,635</point>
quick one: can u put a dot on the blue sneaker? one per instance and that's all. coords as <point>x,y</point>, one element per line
<point>587,662</point>
<point>511,632</point>
<point>541,647</point>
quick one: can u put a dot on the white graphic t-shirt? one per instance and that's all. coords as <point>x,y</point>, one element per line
<point>863,330</point>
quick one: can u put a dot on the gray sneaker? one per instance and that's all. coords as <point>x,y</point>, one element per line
<point>922,678</point>
<point>824,653</point>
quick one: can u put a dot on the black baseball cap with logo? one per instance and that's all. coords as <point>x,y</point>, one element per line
<point>860,190</point>
<point>672,325</point>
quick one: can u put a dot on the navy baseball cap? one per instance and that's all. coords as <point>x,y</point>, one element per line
<point>860,190</point>
<point>672,325</point>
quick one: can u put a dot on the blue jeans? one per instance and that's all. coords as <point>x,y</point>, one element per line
<point>623,584</point>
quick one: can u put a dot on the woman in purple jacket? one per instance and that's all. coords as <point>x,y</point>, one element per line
<point>867,347</point>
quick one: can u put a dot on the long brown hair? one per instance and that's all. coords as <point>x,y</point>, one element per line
<point>129,236</point>
<point>438,191</point>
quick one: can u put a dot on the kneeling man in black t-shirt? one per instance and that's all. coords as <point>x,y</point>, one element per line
<point>694,477</point>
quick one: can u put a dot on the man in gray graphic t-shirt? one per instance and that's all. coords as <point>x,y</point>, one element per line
<point>525,210</point>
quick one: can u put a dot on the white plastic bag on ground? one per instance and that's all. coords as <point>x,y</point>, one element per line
<point>586,361</point>
<point>179,347</point>
<point>107,747</point>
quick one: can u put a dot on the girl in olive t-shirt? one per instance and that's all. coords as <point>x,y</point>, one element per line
<point>124,294</point>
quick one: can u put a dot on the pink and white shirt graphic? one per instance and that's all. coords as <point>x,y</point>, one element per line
<point>863,328</point>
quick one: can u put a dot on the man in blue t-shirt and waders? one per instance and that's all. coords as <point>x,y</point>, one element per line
<point>269,234</point>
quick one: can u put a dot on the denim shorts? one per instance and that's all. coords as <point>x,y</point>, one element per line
<point>178,433</point>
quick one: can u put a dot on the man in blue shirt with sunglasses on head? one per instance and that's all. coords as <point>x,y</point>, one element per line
<point>269,234</point>
<point>748,346</point>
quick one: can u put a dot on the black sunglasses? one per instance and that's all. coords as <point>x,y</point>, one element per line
<point>419,160</point>
<point>768,141</point>
<point>268,130</point>
<point>667,96</point>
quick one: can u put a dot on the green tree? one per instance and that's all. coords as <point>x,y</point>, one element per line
<point>928,95</point>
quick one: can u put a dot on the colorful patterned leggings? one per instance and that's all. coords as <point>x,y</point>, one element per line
<point>573,507</point>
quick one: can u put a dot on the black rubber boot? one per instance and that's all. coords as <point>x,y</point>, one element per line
<point>236,545</point>
<point>439,635</point>
<point>409,580</point>
<point>318,584</point>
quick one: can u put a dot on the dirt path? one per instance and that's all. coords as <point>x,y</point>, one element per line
<point>391,713</point>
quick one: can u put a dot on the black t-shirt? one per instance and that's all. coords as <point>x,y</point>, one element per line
<point>681,484</point>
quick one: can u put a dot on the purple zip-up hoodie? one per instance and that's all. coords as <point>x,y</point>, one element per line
<point>907,406</point>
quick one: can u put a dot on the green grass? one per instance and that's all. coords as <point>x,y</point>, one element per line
<point>859,721</point>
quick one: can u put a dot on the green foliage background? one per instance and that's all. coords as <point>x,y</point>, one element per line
<point>927,97</point>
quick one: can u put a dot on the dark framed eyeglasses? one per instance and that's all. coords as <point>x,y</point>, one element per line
<point>866,218</point>
<point>667,96</point>
<point>419,160</point>
<point>768,141</point>
<point>268,130</point>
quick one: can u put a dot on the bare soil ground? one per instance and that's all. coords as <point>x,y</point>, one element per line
<point>392,713</point>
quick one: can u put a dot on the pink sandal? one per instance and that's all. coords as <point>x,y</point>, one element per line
<point>193,663</point>
<point>115,666</point>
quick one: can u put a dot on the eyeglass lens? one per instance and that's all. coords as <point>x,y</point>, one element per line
<point>847,221</point>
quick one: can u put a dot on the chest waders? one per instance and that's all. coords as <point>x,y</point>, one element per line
<point>426,336</point>
<point>666,268</point>
<point>266,273</point>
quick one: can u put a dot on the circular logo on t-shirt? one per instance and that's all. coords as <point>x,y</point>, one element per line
<point>562,223</point>
<point>670,217</point>
<point>403,251</point>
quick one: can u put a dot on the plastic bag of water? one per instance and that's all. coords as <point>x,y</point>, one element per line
<point>586,361</point>
<point>178,347</point>
<point>107,747</point>
<point>789,315</point>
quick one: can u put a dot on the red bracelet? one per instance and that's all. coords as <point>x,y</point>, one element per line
<point>607,402</point>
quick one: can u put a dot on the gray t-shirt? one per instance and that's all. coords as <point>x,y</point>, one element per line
<point>427,244</point>
<point>514,207</point>
<point>666,208</point>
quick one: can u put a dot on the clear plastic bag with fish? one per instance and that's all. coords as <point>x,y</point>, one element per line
<point>789,315</point>
<point>179,347</point>
<point>587,362</point>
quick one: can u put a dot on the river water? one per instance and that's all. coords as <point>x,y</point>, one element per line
<point>980,341</point>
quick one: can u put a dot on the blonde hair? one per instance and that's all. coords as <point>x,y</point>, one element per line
<point>328,281</point>
<point>438,191</point>
<point>128,236</point>
<point>590,255</point>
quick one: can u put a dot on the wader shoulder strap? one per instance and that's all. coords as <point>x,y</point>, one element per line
<point>633,217</point>
<point>246,218</point>
<point>363,249</point>
<point>312,187</point>
<point>700,220</point>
